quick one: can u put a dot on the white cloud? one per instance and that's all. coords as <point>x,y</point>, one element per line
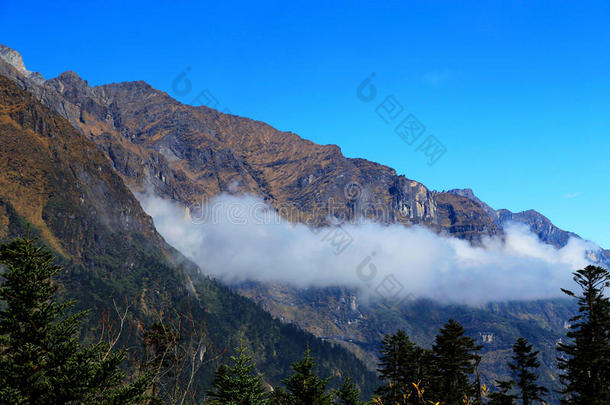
<point>572,195</point>
<point>246,241</point>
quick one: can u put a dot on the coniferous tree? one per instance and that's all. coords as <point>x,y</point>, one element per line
<point>238,384</point>
<point>586,358</point>
<point>524,366</point>
<point>348,394</point>
<point>455,356</point>
<point>41,358</point>
<point>304,387</point>
<point>393,357</point>
<point>404,370</point>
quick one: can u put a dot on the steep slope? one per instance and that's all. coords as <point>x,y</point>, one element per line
<point>337,315</point>
<point>58,180</point>
<point>464,216</point>
<point>187,153</point>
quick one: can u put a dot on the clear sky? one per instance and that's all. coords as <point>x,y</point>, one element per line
<point>517,91</point>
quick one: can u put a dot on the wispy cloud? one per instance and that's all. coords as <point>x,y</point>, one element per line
<point>234,248</point>
<point>572,195</point>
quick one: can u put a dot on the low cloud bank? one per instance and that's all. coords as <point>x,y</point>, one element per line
<point>244,240</point>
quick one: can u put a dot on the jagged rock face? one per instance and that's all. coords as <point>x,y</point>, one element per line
<point>221,153</point>
<point>411,200</point>
<point>14,59</point>
<point>188,153</point>
<point>468,193</point>
<point>465,217</point>
<point>539,224</point>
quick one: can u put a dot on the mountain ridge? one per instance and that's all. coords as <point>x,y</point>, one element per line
<point>149,162</point>
<point>60,182</point>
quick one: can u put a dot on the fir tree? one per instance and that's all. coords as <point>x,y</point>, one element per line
<point>348,394</point>
<point>455,357</point>
<point>304,387</point>
<point>41,358</point>
<point>524,366</point>
<point>238,384</point>
<point>404,369</point>
<point>586,358</point>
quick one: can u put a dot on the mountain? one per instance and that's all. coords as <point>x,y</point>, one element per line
<point>54,178</point>
<point>536,222</point>
<point>187,154</point>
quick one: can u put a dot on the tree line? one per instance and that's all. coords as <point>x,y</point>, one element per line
<point>44,361</point>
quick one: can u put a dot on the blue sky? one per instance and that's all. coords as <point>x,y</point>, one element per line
<point>517,91</point>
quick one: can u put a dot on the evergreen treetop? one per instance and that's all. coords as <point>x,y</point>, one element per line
<point>41,358</point>
<point>238,383</point>
<point>585,358</point>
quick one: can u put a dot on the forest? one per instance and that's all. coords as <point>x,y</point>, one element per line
<point>46,356</point>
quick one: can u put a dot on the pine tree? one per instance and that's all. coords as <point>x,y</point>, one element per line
<point>238,384</point>
<point>304,387</point>
<point>402,364</point>
<point>455,357</point>
<point>348,394</point>
<point>524,366</point>
<point>41,359</point>
<point>393,357</point>
<point>586,358</point>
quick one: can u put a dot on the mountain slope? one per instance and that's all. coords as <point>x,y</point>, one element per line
<point>58,180</point>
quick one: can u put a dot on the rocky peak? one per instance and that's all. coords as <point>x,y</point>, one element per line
<point>468,193</point>
<point>539,224</point>
<point>13,58</point>
<point>71,77</point>
<point>464,192</point>
<point>70,82</point>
